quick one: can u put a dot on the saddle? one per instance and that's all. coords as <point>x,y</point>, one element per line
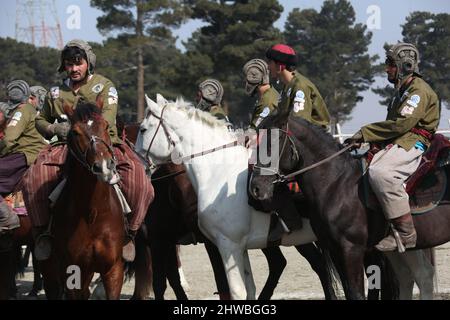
<point>427,185</point>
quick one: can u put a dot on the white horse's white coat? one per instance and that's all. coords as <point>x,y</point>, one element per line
<point>220,181</point>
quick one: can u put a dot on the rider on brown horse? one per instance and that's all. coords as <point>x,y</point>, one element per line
<point>78,61</point>
<point>19,146</point>
<point>412,119</point>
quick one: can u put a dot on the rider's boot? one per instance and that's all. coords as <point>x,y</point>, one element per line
<point>284,206</point>
<point>405,227</point>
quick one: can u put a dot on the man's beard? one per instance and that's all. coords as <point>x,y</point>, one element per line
<point>78,80</point>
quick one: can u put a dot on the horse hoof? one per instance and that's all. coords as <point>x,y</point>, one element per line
<point>43,247</point>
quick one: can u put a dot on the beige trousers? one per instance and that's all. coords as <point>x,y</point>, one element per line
<point>388,171</point>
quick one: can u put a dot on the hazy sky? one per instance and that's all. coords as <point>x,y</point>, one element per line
<point>387,29</point>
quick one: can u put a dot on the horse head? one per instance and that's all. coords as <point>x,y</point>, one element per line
<point>265,177</point>
<point>88,140</point>
<point>156,141</point>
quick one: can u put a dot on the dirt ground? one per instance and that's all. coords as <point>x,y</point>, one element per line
<point>297,282</point>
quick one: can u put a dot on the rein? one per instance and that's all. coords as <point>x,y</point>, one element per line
<point>284,178</point>
<point>82,157</point>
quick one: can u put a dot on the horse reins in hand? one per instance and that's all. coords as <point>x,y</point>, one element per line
<point>284,178</point>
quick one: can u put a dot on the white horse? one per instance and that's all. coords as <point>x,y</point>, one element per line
<point>173,130</point>
<point>220,181</point>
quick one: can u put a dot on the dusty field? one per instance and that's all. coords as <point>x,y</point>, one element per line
<point>297,282</point>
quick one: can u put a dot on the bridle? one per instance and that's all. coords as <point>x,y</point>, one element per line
<point>172,142</point>
<point>287,139</point>
<point>81,157</point>
<point>281,178</point>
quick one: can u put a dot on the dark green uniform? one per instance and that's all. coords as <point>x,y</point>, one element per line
<point>417,106</point>
<point>97,84</point>
<point>264,106</point>
<point>304,100</point>
<point>218,112</point>
<point>21,135</point>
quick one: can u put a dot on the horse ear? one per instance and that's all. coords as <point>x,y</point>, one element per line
<point>99,101</point>
<point>152,105</point>
<point>160,100</point>
<point>68,109</point>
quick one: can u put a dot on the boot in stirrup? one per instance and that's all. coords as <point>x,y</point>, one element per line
<point>407,235</point>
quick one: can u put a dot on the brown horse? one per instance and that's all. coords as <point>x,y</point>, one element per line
<point>88,220</point>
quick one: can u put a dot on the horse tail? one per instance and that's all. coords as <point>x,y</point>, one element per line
<point>141,267</point>
<point>335,279</point>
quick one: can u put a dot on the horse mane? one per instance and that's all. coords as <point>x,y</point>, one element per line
<point>86,111</point>
<point>204,116</point>
<point>327,140</point>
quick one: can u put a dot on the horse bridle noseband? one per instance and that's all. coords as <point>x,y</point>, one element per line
<point>281,178</point>
<point>277,173</point>
<point>81,157</point>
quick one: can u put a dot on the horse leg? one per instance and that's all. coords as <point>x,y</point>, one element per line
<point>218,269</point>
<point>173,275</point>
<point>422,272</point>
<point>53,285</point>
<point>37,276</point>
<point>143,273</point>
<point>319,264</point>
<point>233,260</point>
<point>249,281</point>
<point>277,263</point>
<point>183,280</point>
<point>83,293</point>
<point>159,272</point>
<point>403,274</point>
<point>113,281</point>
<point>349,261</point>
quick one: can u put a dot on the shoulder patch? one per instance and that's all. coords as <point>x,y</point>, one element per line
<point>17,116</point>
<point>113,92</point>
<point>12,123</point>
<point>414,100</point>
<point>265,112</point>
<point>98,88</point>
<point>54,91</point>
<point>299,96</point>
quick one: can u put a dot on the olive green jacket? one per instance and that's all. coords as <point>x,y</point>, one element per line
<point>53,108</point>
<point>218,112</point>
<point>264,106</point>
<point>416,106</point>
<point>303,99</point>
<point>21,136</point>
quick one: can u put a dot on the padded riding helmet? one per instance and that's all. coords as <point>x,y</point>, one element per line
<point>406,57</point>
<point>256,72</point>
<point>84,46</point>
<point>211,93</point>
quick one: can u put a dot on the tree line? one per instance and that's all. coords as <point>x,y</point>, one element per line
<point>140,54</point>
